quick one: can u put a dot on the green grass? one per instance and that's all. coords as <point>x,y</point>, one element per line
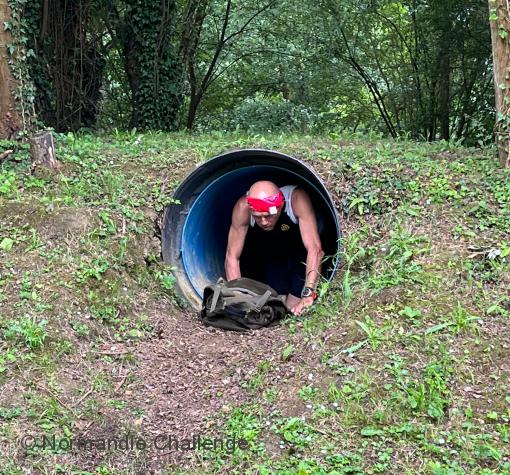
<point>401,367</point>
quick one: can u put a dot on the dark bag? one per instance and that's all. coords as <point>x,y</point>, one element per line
<point>241,304</point>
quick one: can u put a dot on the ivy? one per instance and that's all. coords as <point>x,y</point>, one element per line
<point>149,39</point>
<point>22,27</point>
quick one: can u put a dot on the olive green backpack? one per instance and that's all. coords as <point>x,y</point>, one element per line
<point>241,304</point>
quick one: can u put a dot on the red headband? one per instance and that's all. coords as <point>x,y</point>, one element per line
<point>267,204</point>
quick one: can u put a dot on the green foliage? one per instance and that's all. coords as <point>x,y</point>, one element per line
<point>166,279</point>
<point>23,26</point>
<point>153,67</point>
<point>398,264</point>
<point>412,70</point>
<point>262,115</point>
<point>377,192</point>
<point>431,395</point>
<point>295,432</point>
<point>95,269</point>
<point>27,329</point>
<point>7,182</point>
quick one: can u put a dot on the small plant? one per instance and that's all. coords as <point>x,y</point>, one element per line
<point>8,183</point>
<point>399,265</point>
<point>6,244</point>
<point>287,352</point>
<point>27,328</point>
<point>456,322</point>
<point>354,255</point>
<point>80,329</point>
<point>462,320</point>
<point>108,225</point>
<point>260,376</point>
<point>375,335</point>
<point>414,316</point>
<point>105,312</point>
<point>94,270</point>
<point>296,432</point>
<point>244,424</point>
<point>7,414</point>
<point>431,395</point>
<point>307,393</point>
<point>27,291</point>
<point>8,356</point>
<point>167,280</point>
<point>334,394</point>
<point>116,404</point>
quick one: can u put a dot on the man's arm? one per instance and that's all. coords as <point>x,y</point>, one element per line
<point>305,213</point>
<point>236,237</point>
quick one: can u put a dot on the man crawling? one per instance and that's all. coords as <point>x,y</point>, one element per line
<point>274,238</point>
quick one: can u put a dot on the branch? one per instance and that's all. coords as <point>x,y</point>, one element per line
<point>255,15</point>
<point>208,78</point>
<point>221,43</point>
<point>249,53</point>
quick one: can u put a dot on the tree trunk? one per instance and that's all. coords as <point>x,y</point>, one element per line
<point>443,111</point>
<point>10,119</point>
<point>500,34</point>
<point>192,111</point>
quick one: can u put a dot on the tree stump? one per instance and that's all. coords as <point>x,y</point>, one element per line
<point>42,150</point>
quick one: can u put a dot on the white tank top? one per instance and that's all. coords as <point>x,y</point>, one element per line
<point>287,194</point>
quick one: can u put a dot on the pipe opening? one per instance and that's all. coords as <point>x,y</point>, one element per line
<point>195,231</point>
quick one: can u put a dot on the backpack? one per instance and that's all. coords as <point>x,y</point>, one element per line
<point>241,304</point>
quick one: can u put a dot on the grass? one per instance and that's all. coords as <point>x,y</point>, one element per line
<point>402,366</point>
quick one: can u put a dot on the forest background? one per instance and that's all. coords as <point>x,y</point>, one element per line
<point>419,69</point>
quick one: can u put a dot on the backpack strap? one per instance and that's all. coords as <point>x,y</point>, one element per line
<point>244,290</point>
<point>262,300</point>
<point>216,296</point>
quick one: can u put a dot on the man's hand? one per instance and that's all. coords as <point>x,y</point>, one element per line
<point>301,305</point>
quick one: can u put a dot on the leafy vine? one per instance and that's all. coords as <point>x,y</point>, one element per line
<point>155,71</point>
<point>22,26</point>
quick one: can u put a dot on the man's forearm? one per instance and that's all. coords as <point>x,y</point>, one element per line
<point>232,268</point>
<point>313,267</point>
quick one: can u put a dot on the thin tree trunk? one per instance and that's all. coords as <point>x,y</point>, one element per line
<point>192,111</point>
<point>10,119</point>
<point>500,35</point>
<point>443,111</point>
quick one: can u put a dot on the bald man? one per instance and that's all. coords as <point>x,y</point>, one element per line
<point>274,238</point>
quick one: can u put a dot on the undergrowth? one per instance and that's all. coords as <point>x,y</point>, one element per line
<point>401,367</point>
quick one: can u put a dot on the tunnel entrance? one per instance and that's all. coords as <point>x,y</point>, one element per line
<point>195,231</point>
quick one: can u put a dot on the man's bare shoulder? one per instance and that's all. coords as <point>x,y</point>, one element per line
<point>241,213</point>
<point>301,202</point>
<point>299,194</point>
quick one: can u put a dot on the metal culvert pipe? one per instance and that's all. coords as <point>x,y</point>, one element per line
<point>195,229</point>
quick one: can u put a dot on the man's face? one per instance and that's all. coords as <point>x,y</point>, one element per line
<point>266,221</point>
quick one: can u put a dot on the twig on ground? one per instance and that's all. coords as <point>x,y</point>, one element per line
<point>123,380</point>
<point>83,397</point>
<point>5,154</point>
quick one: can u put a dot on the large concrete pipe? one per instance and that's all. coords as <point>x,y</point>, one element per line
<point>195,230</point>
